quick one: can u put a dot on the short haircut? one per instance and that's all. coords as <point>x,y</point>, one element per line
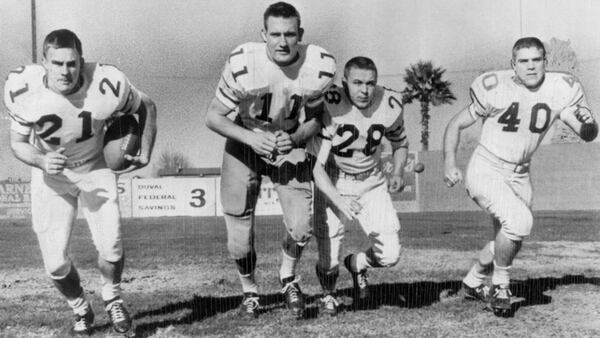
<point>281,10</point>
<point>360,62</point>
<point>62,38</point>
<point>528,42</point>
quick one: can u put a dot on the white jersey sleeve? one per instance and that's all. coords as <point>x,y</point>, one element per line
<point>323,65</point>
<point>19,97</point>
<point>396,132</point>
<point>479,91</point>
<point>114,82</point>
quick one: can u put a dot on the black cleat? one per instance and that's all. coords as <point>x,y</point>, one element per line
<point>250,305</point>
<point>481,292</point>
<point>118,315</point>
<point>293,296</point>
<point>83,324</point>
<point>359,279</point>
<point>500,301</point>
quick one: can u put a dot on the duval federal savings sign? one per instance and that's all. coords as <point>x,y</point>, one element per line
<point>15,199</point>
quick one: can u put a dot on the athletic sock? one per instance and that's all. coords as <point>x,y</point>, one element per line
<point>475,277</point>
<point>501,275</point>
<point>288,266</point>
<point>79,305</point>
<point>248,283</point>
<point>110,291</point>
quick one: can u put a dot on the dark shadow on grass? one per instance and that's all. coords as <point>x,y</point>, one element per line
<point>404,295</point>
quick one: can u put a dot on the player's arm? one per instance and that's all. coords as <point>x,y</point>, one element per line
<point>399,156</point>
<point>460,121</point>
<point>581,120</point>
<point>286,142</point>
<point>147,118</point>
<point>52,162</point>
<point>347,205</point>
<point>217,121</point>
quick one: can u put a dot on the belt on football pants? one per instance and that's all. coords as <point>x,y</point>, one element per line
<point>519,168</point>
<point>358,177</point>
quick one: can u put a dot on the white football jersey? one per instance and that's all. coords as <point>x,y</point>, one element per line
<point>356,134</point>
<point>268,97</point>
<point>76,121</point>
<point>515,119</point>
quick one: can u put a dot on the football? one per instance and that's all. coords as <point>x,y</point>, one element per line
<point>419,167</point>
<point>122,137</point>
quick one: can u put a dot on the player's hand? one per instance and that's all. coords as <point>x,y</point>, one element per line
<point>137,162</point>
<point>348,206</point>
<point>396,184</point>
<point>452,175</point>
<point>584,115</point>
<point>263,143</point>
<point>284,142</point>
<point>55,161</point>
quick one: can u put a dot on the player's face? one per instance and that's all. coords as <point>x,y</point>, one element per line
<point>529,66</point>
<point>360,86</point>
<point>282,36</point>
<point>63,66</point>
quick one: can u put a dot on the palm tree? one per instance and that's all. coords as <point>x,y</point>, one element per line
<point>425,84</point>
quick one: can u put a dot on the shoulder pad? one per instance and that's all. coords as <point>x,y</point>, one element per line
<point>247,63</point>
<point>318,70</point>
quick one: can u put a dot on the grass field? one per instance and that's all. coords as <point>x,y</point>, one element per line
<point>179,281</point>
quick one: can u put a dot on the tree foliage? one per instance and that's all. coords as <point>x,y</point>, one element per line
<point>172,161</point>
<point>424,83</point>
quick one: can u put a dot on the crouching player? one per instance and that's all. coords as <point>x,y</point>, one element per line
<point>353,187</point>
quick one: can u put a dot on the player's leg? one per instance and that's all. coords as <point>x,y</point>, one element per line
<point>473,284</point>
<point>329,232</point>
<point>296,203</point>
<point>378,219</point>
<point>507,197</point>
<point>240,186</point>
<point>53,214</point>
<point>99,204</point>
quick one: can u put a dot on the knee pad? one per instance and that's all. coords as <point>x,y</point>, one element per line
<point>292,247</point>
<point>239,235</point>
<point>518,226</point>
<point>59,270</point>
<point>388,256</point>
<point>299,229</point>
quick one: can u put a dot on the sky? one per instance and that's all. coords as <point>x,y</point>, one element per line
<point>175,50</point>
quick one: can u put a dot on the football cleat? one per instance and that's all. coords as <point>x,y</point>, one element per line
<point>118,315</point>
<point>481,292</point>
<point>359,279</point>
<point>293,296</point>
<point>500,301</point>
<point>83,324</point>
<point>250,305</point>
<point>328,304</point>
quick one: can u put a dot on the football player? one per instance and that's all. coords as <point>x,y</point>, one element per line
<point>58,112</point>
<point>517,108</point>
<point>351,185</point>
<point>267,84</point>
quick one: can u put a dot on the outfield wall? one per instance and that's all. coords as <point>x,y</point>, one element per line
<point>564,177</point>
